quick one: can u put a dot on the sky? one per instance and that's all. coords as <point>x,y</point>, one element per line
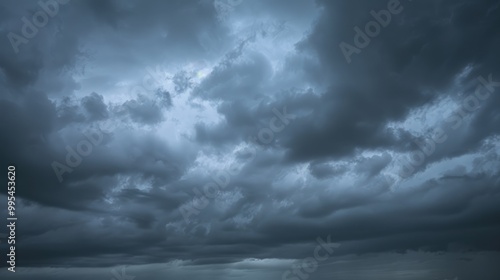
<point>250,139</point>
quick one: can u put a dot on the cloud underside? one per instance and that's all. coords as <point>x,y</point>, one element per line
<point>392,151</point>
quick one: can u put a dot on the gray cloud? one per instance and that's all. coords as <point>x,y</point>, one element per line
<point>180,94</point>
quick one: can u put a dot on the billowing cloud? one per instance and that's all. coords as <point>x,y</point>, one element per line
<point>223,139</point>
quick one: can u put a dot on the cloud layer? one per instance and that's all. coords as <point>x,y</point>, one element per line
<point>230,135</point>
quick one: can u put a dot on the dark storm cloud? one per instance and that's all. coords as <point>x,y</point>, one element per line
<point>69,112</point>
<point>369,92</point>
<point>175,95</point>
<point>95,107</point>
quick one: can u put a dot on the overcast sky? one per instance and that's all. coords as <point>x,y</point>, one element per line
<point>230,139</point>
